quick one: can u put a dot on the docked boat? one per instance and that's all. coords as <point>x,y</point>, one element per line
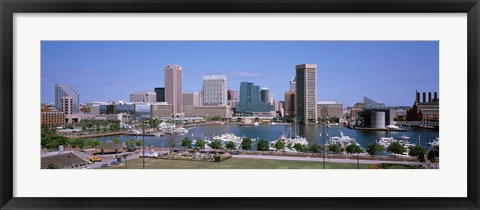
<point>224,138</point>
<point>159,134</point>
<point>434,143</point>
<point>290,137</point>
<point>342,139</point>
<point>180,130</point>
<point>385,141</point>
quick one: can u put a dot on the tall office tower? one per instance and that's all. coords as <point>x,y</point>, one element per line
<point>293,85</point>
<point>145,96</point>
<point>160,91</point>
<point>173,88</point>
<point>289,104</point>
<point>250,99</point>
<point>265,95</point>
<point>214,90</point>
<point>67,105</point>
<point>66,90</point>
<point>306,95</point>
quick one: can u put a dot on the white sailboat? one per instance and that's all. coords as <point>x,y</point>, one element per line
<point>290,137</point>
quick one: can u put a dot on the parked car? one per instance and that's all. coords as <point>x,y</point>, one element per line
<point>235,153</point>
<point>105,165</point>
<point>95,159</point>
<point>114,163</point>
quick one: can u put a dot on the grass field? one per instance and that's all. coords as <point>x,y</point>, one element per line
<point>236,163</point>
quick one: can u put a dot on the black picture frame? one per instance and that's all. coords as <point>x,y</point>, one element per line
<point>10,7</point>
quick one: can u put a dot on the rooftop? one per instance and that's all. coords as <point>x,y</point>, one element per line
<point>327,102</point>
<point>213,76</point>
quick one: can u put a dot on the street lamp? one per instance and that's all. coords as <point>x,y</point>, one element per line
<point>142,120</point>
<point>323,121</point>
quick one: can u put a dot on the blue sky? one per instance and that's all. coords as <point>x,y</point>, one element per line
<point>385,71</point>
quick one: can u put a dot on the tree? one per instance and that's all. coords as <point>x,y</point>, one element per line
<point>92,143</point>
<point>432,154</point>
<point>131,146</point>
<point>72,143</point>
<point>50,139</point>
<point>417,151</point>
<point>187,143</point>
<point>230,145</point>
<point>374,149</point>
<point>279,145</point>
<point>138,142</point>
<point>77,142</point>
<point>262,145</point>
<point>395,148</point>
<point>216,144</point>
<point>354,149</point>
<point>81,143</point>
<point>299,147</point>
<point>172,143</point>
<point>52,166</point>
<point>116,140</point>
<point>335,148</point>
<point>153,123</point>
<point>246,143</point>
<point>200,144</point>
<point>115,126</point>
<point>315,148</point>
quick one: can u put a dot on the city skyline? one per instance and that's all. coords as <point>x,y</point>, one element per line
<point>347,71</point>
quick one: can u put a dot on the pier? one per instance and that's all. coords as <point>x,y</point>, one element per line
<point>380,129</point>
<point>98,135</point>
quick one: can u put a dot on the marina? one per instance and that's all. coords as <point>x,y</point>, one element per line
<point>310,134</point>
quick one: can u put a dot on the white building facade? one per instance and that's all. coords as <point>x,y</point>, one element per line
<point>215,90</point>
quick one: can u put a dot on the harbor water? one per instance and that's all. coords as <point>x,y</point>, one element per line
<point>272,132</point>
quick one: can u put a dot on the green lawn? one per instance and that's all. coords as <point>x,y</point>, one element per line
<point>236,163</point>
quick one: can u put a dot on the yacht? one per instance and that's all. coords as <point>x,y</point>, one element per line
<point>229,137</point>
<point>342,139</point>
<point>434,143</point>
<point>385,141</point>
<point>180,130</point>
<point>290,137</point>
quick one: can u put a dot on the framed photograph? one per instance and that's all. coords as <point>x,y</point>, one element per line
<point>239,105</point>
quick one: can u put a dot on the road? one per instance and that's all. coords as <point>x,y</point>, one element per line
<point>333,160</point>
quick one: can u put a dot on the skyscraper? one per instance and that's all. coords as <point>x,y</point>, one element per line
<point>214,90</point>
<point>66,90</point>
<point>250,99</point>
<point>173,88</point>
<point>265,95</point>
<point>306,93</point>
<point>289,104</point>
<point>67,105</point>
